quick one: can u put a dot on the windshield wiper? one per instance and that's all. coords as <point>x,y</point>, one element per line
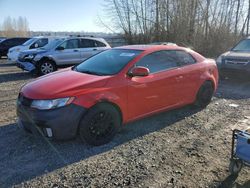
<point>92,72</point>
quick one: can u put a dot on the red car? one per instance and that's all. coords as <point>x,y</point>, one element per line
<point>114,87</point>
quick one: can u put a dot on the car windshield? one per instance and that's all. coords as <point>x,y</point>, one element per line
<point>244,45</point>
<point>52,44</point>
<point>28,42</point>
<point>109,62</point>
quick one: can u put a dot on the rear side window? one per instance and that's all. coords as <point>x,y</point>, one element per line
<point>158,61</point>
<point>165,60</point>
<point>87,43</point>
<point>99,44</point>
<point>184,58</point>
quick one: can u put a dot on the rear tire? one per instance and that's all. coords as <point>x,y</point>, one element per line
<point>100,124</point>
<point>204,95</point>
<point>46,67</point>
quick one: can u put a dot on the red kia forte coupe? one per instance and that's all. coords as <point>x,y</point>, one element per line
<point>94,98</point>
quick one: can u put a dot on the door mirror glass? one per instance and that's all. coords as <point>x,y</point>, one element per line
<point>60,48</point>
<point>139,71</point>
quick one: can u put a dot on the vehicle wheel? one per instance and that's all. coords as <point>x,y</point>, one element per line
<point>100,124</point>
<point>204,95</point>
<point>235,166</point>
<point>46,67</point>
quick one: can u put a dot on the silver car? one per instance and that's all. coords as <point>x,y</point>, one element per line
<point>61,53</point>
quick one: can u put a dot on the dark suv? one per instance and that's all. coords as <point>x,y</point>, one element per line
<point>6,44</point>
<point>236,62</point>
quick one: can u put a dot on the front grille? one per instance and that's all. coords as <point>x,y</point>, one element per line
<point>24,100</point>
<point>235,61</point>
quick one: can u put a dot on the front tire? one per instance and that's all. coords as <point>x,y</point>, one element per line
<point>100,124</point>
<point>235,166</point>
<point>204,95</point>
<point>46,67</point>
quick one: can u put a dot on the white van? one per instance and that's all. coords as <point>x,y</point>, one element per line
<point>35,42</point>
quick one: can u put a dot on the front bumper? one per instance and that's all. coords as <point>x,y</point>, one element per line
<point>27,66</point>
<point>234,70</point>
<point>60,124</point>
<point>234,73</point>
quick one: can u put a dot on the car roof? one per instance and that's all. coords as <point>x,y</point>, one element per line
<point>151,47</point>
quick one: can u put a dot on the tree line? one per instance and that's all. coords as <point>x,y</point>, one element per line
<point>209,26</point>
<point>12,27</point>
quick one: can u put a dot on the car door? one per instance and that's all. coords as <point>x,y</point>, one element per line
<point>68,53</point>
<point>190,76</point>
<point>158,90</point>
<point>88,48</point>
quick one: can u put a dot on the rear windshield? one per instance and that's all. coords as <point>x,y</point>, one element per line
<point>243,45</point>
<point>109,62</point>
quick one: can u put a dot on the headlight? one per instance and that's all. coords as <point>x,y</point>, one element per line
<point>30,56</point>
<point>51,104</point>
<point>219,60</point>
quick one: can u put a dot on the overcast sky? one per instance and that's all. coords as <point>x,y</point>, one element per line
<point>55,15</point>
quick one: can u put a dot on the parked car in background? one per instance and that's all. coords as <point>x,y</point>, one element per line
<point>25,57</point>
<point>35,42</point>
<point>70,51</point>
<point>236,62</point>
<point>6,44</point>
<point>114,87</point>
<point>163,43</point>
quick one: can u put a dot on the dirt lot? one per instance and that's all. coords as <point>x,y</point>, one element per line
<point>181,148</point>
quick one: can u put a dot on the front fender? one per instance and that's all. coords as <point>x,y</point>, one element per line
<point>91,99</point>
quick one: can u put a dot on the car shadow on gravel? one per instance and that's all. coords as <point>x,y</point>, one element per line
<point>234,89</point>
<point>24,156</point>
<point>230,182</point>
<point>16,76</point>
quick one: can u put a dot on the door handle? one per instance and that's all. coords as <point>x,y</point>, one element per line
<point>75,50</point>
<point>179,77</point>
<point>94,49</point>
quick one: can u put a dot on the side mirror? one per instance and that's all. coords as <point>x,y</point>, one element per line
<point>138,71</point>
<point>60,48</point>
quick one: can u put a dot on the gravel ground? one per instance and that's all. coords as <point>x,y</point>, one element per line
<point>181,148</point>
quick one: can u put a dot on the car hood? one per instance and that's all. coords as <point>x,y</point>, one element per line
<point>232,54</point>
<point>64,83</point>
